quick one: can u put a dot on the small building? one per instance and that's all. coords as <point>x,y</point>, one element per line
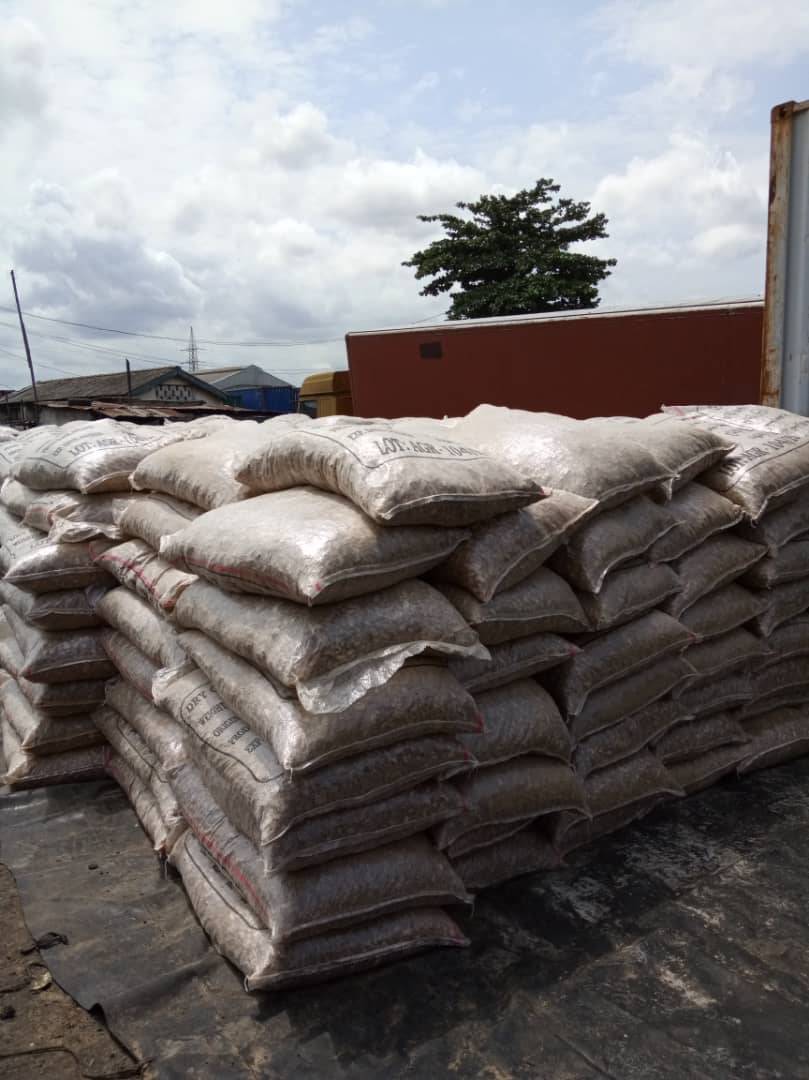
<point>252,387</point>
<point>150,393</point>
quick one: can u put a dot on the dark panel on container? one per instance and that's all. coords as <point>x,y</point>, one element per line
<point>592,366</point>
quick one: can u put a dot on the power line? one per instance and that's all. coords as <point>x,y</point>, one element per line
<point>203,341</point>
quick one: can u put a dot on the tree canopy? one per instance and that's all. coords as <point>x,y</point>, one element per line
<point>510,255</point>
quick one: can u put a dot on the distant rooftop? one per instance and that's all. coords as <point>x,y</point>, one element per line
<point>101,387</point>
<point>240,376</point>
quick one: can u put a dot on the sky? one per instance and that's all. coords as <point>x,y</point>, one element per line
<point>255,168</point>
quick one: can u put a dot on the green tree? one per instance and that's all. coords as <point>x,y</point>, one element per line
<point>511,255</point>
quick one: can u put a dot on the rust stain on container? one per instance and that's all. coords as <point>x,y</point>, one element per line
<point>772,330</point>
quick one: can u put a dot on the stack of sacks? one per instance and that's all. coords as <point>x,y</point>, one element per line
<point>616,693</point>
<point>179,481</point>
<point>66,486</point>
<point>767,479</point>
<point>497,579</point>
<point>319,718</point>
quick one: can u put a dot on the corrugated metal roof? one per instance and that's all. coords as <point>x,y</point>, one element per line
<point>112,385</point>
<point>232,378</point>
<point>117,410</point>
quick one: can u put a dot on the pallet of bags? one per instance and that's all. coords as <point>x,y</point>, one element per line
<point>614,692</point>
<point>320,721</point>
<point>50,640</point>
<point>63,489</point>
<point>766,478</point>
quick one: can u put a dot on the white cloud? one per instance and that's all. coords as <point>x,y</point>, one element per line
<point>24,85</point>
<point>713,33</point>
<point>262,177</point>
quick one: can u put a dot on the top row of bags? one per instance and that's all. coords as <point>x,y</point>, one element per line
<point>450,473</point>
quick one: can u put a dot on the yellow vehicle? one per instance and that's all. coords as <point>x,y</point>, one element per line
<point>328,393</point>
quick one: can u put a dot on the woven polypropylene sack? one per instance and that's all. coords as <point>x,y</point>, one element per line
<point>26,770</point>
<point>139,568</point>
<point>349,889</point>
<point>571,833</point>
<point>685,449</point>
<point>138,621</point>
<point>781,603</point>
<point>325,836</point>
<point>775,737</point>
<point>614,655</point>
<point>782,677</point>
<point>629,695</point>
<point>541,603</point>
<point>517,659</point>
<point>57,656</point>
<point>633,781</point>
<point>127,659</point>
<point>9,452</point>
<point>257,794</point>
<point>305,545</point>
<point>68,609</point>
<point>153,516</point>
<point>789,563</point>
<point>67,516</point>
<point>515,790</point>
<point>164,835</point>
<point>397,476</point>
<point>164,737</point>
<point>421,700</point>
<point>201,472</point>
<point>770,462</point>
<point>711,693</point>
<point>12,450</point>
<point>609,540</point>
<point>90,456</point>
<point>518,719</point>
<point>704,770</point>
<point>485,836</point>
<point>737,648</point>
<point>594,462</point>
<point>39,565</point>
<point>697,736</point>
<point>627,593</point>
<point>128,744</point>
<point>791,638</point>
<point>242,938</point>
<point>331,655</point>
<point>525,852</point>
<point>11,658</point>
<point>18,499</point>
<point>38,732</point>
<point>723,610</point>
<point>699,513</point>
<point>502,552</point>
<point>64,699</point>
<point>717,562</point>
<point>628,736</point>
<point>342,892</point>
<point>781,525</point>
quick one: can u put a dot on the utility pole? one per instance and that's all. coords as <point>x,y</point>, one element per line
<point>193,351</point>
<point>128,378</point>
<point>25,339</point>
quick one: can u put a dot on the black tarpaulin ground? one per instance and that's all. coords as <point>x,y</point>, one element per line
<point>677,949</point>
